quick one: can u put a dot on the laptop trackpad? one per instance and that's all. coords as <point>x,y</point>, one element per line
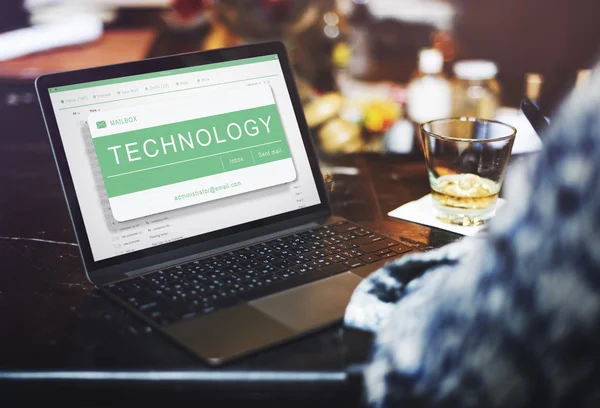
<point>229,333</point>
<point>311,306</point>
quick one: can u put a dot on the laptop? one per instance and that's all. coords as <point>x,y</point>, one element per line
<point>197,200</point>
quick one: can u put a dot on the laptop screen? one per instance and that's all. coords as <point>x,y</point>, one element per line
<point>165,156</point>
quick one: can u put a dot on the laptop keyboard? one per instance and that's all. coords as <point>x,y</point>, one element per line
<point>184,291</point>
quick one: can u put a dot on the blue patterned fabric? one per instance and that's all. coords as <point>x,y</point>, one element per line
<point>511,319</point>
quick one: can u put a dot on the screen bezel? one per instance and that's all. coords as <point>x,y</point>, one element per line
<point>119,265</point>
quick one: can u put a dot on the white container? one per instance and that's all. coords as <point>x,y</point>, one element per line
<point>429,93</point>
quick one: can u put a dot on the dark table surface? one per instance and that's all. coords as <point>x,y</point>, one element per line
<point>53,319</point>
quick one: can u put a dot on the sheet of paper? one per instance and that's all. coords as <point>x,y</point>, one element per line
<point>527,139</point>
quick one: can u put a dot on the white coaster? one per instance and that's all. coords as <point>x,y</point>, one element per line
<point>421,212</point>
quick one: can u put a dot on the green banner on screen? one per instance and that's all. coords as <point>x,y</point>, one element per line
<point>158,156</point>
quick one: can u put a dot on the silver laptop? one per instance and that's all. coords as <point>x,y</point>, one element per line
<point>197,199</point>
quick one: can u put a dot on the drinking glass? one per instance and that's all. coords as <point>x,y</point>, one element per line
<point>466,162</point>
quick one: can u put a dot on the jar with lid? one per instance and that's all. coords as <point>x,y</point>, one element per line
<point>475,90</point>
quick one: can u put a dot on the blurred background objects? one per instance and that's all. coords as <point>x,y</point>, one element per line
<point>354,59</point>
<point>13,16</point>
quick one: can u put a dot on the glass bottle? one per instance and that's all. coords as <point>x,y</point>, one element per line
<point>533,86</point>
<point>475,90</point>
<point>583,75</point>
